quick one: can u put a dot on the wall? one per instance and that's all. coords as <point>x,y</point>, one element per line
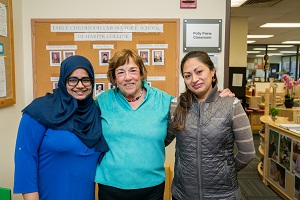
<point>261,86</point>
<point>24,12</point>
<point>10,116</point>
<point>238,41</point>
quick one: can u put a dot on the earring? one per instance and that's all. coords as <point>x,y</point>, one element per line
<point>213,79</point>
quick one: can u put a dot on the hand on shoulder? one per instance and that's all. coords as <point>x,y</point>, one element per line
<point>226,92</point>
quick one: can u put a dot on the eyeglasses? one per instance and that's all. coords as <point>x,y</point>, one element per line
<point>122,73</point>
<point>73,81</point>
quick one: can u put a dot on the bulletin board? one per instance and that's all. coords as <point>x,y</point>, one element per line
<point>93,38</point>
<point>7,68</point>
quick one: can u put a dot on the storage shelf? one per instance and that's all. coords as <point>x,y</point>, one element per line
<point>261,150</point>
<point>262,134</point>
<point>260,171</point>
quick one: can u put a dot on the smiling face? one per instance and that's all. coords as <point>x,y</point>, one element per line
<point>198,78</point>
<point>79,91</point>
<point>128,79</point>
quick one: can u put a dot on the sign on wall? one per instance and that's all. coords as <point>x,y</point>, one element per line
<point>202,34</point>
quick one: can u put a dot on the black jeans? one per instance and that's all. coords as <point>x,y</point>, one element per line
<point>151,193</point>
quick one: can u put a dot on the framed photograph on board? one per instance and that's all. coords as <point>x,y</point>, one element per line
<point>145,54</point>
<point>55,58</point>
<point>99,88</point>
<point>68,54</point>
<point>110,86</point>
<point>158,57</point>
<point>55,85</point>
<point>104,56</point>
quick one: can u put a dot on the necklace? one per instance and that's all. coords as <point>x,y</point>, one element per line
<point>137,98</point>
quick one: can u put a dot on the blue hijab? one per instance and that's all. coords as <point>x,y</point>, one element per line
<point>61,111</point>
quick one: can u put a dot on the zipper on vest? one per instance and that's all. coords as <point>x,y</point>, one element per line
<point>199,152</point>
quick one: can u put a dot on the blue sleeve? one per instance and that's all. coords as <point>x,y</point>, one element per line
<point>29,138</point>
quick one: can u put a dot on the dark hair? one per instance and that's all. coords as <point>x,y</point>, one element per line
<point>186,98</point>
<point>121,58</point>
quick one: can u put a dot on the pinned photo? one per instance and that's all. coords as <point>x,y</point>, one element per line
<point>55,58</point>
<point>145,54</point>
<point>55,85</point>
<point>99,88</point>
<point>111,86</point>
<point>158,57</point>
<point>104,56</point>
<point>68,54</point>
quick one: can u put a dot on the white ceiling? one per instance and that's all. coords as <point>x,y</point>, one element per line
<point>260,13</point>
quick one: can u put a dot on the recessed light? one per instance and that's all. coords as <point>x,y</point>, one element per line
<point>291,42</point>
<point>280,46</point>
<point>259,36</point>
<point>280,25</point>
<point>288,52</point>
<point>253,51</point>
<point>263,49</point>
<point>237,3</point>
<point>275,54</point>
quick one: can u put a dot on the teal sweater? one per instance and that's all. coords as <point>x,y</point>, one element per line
<point>135,139</point>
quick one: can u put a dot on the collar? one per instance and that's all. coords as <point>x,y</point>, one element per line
<point>211,96</point>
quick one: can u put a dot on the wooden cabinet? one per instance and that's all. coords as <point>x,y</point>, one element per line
<point>254,118</point>
<point>261,150</point>
<point>293,114</point>
<point>253,101</point>
<point>279,160</point>
<point>253,111</point>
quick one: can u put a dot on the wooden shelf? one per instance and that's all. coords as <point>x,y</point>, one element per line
<point>262,134</point>
<point>260,171</point>
<point>261,150</point>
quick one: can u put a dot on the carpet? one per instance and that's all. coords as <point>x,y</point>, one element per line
<point>252,187</point>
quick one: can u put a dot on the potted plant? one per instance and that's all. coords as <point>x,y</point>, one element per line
<point>289,84</point>
<point>273,113</point>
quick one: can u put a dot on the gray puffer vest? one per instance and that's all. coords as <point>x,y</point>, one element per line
<point>204,158</point>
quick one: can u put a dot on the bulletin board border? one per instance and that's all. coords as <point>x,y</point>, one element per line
<point>9,99</point>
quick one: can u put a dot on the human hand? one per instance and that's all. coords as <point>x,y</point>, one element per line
<point>226,92</point>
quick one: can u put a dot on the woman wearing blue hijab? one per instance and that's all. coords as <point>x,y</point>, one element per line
<point>60,138</point>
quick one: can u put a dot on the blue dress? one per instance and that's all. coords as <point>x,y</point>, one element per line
<point>47,161</point>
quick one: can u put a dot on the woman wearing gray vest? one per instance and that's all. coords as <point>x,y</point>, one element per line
<point>207,128</point>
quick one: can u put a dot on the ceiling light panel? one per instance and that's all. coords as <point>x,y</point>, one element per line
<point>280,25</point>
<point>237,3</point>
<point>259,36</point>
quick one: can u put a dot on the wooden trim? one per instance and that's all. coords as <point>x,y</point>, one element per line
<point>9,59</point>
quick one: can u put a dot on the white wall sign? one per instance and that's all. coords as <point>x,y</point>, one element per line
<point>156,78</point>
<point>61,47</point>
<point>108,28</point>
<point>102,36</point>
<point>202,34</point>
<point>103,46</point>
<point>100,75</point>
<point>152,46</point>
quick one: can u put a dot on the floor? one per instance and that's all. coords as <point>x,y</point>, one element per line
<point>251,184</point>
